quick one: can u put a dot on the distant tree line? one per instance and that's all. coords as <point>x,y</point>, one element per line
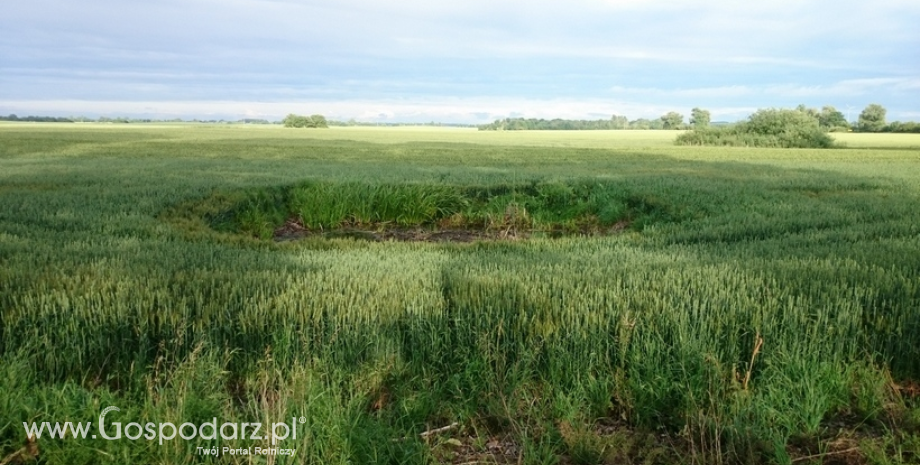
<point>36,119</point>
<point>670,120</point>
<point>557,124</point>
<point>828,119</point>
<point>126,120</point>
<point>354,123</point>
<point>528,124</point>
<point>897,126</point>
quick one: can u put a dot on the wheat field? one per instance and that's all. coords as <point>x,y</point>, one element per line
<point>760,306</point>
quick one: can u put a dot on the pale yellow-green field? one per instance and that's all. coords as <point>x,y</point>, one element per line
<point>583,139</point>
<point>883,140</point>
<point>399,134</point>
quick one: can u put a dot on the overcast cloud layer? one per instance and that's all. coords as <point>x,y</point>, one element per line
<point>469,61</point>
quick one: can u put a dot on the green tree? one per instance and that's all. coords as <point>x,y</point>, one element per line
<point>319,121</point>
<point>640,123</point>
<point>872,118</point>
<point>812,112</point>
<point>292,121</point>
<point>699,118</point>
<point>773,122</point>
<point>830,119</point>
<point>672,120</point>
<point>298,121</point>
<point>516,124</point>
<point>619,122</point>
<point>788,128</point>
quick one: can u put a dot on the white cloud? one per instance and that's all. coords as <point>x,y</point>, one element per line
<point>701,92</point>
<point>848,87</point>
<point>844,88</point>
<point>668,53</point>
<point>668,30</point>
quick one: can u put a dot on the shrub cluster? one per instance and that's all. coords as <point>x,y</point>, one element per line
<point>775,128</point>
<point>298,121</point>
<point>908,127</point>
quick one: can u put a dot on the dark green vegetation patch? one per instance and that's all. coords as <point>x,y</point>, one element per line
<point>770,128</point>
<point>537,208</point>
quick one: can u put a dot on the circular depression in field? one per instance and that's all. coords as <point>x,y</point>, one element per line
<point>435,213</point>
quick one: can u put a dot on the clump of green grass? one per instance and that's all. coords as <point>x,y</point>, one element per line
<point>333,205</point>
<point>539,206</point>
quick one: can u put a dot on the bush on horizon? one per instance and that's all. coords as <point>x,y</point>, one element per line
<point>773,128</point>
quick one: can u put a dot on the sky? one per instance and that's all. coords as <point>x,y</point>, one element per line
<point>470,61</point>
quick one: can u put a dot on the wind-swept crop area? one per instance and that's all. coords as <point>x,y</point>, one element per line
<point>699,304</point>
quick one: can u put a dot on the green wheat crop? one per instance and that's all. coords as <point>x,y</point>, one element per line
<point>137,269</point>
